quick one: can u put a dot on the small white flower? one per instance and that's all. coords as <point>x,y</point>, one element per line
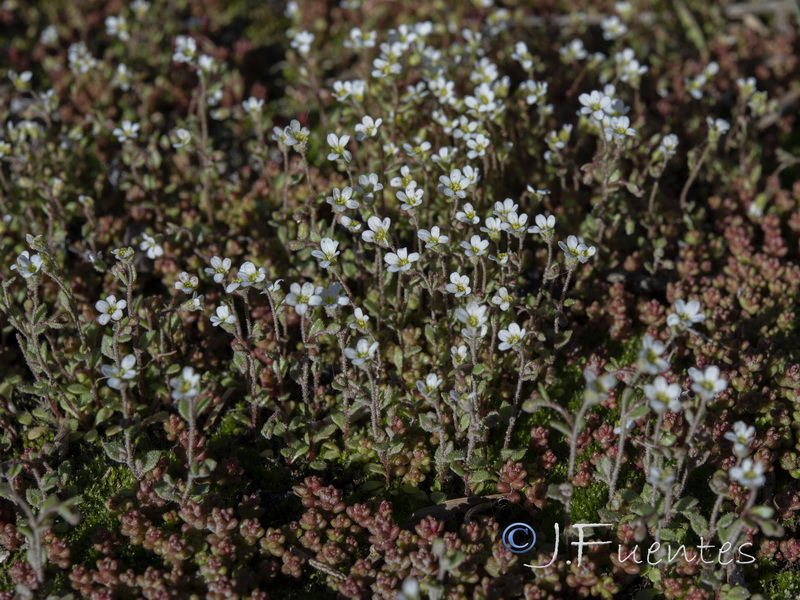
<point>296,136</point>
<point>510,337</point>
<point>411,197</point>
<point>361,320</point>
<point>338,147</point>
<point>367,128</point>
<point>126,131</point>
<point>742,435</point>
<point>253,105</point>
<point>502,299</point>
<point>187,385</point>
<point>500,259</point>
<point>368,185</point>
<point>21,81</point>
<point>458,354</point>
<point>219,268</point>
<point>300,296</point>
<point>492,225</point>
<point>618,129</point>
<point>182,138</point>
<point>327,253</point>
<point>302,41</point>
<point>544,226</point>
<point>118,375</point>
<point>249,275</point>
<point>378,231</point>
<point>430,385</point>
<point>707,383</point>
<point>433,237</point>
<point>454,185</point>
<point>612,27</point>
<point>749,474</point>
<point>505,208</point>
<point>598,386</point>
<point>474,315</point>
<point>595,104</point>
<point>351,225</point>
<point>401,260</point>
<point>185,49</point>
<point>468,215</point>
<point>27,265</point>
<point>577,250</point>
<point>223,316</point>
<point>459,285</point>
<point>650,359</point>
<point>475,247</point>
<point>331,297</point>
<point>341,200</point>
<point>186,283</point>
<point>109,309</point>
<point>515,224</point>
<point>363,352</point>
<point>668,145</point>
<point>118,27</point>
<point>663,395</point>
<point>685,314</point>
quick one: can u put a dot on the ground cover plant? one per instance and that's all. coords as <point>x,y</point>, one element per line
<point>325,299</point>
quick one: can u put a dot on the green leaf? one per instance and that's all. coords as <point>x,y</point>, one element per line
<point>685,503</point>
<point>698,523</point>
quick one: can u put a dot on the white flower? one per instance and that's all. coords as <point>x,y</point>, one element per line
<point>273,287</point>
<point>249,275</point>
<point>663,395</point>
<point>338,147</point>
<point>185,49</point>
<point>474,315</point>
<point>411,197</point>
<point>350,224</point>
<point>118,375</point>
<point>473,175</point>
<point>118,27</point>
<point>49,35</point>
<point>707,383</point>
<point>459,285</point>
<point>717,128</point>
<point>187,385</point>
<point>595,104</point>
<point>573,51</point>
<point>300,296</point>
<point>186,283</point>
<point>749,474</point>
<point>296,135</point>
<point>577,250</point>
<point>363,352</point>
<point>219,268</point>
<point>468,215</point>
<point>404,179</point>
<point>253,105</point>
<point>505,208</point>
<point>458,354</point>
<point>126,131</point>
<point>650,360</point>
<point>80,59</point>
<point>685,314</point>
<point>618,129</point>
<point>109,309</point>
<point>182,138</point>
<point>510,337</point>
<point>302,42</point>
<point>430,385</point>
<point>742,436</point>
<point>140,7</point>
<point>327,252</point>
<point>342,200</point>
<point>747,87</point>
<point>361,320</point>
<point>367,128</point>
<point>400,261</point>
<point>21,81</point>
<point>500,259</point>
<point>492,225</point>
<point>368,185</point>
<point>433,237</point>
<point>454,185</point>
<point>475,247</point>
<point>502,299</point>
<point>544,225</point>
<point>668,145</point>
<point>612,27</point>
<point>27,265</point>
<point>515,224</point>
<point>598,386</point>
<point>378,232</point>
<point>223,316</point>
<point>329,297</point>
<point>477,146</point>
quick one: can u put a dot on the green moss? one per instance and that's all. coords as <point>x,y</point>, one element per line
<point>779,585</point>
